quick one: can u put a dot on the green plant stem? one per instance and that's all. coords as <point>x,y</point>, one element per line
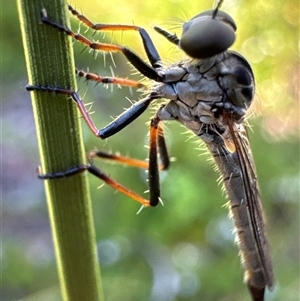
<point>49,59</point>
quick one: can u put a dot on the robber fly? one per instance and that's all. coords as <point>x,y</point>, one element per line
<point>209,93</point>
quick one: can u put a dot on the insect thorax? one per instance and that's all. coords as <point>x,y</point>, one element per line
<point>201,91</point>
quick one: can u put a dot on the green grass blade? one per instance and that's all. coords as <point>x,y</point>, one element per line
<point>49,59</point>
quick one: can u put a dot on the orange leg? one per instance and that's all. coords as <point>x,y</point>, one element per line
<point>157,142</point>
<point>134,59</point>
<point>108,80</point>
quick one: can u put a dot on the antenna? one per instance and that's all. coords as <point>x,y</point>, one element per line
<point>217,8</point>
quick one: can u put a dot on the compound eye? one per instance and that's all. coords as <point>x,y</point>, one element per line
<point>204,36</point>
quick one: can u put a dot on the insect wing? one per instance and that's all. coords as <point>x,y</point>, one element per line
<point>254,206</point>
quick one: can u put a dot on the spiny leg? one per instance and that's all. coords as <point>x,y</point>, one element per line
<point>157,142</point>
<point>116,125</point>
<point>149,47</point>
<point>99,174</point>
<point>134,59</point>
<point>108,80</point>
<point>153,176</point>
<point>129,115</point>
<point>162,149</point>
<point>118,159</point>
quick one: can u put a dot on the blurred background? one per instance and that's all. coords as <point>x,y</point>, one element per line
<point>184,250</point>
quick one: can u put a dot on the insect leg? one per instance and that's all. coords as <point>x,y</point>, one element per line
<point>153,170</point>
<point>162,147</point>
<point>118,159</point>
<point>133,58</point>
<point>132,161</point>
<point>108,80</point>
<point>149,47</point>
<point>126,117</point>
<point>116,125</point>
<point>85,114</point>
<point>99,174</point>
<point>157,142</point>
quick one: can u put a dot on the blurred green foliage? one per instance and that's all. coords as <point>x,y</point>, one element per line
<point>184,250</point>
